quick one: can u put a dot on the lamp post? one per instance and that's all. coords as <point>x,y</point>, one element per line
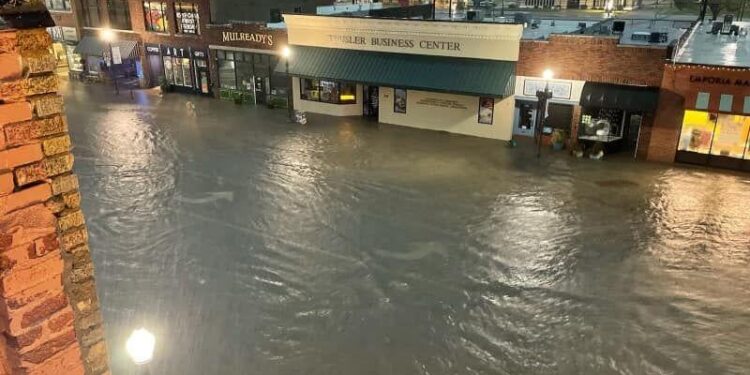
<point>287,53</point>
<point>140,348</point>
<point>541,112</point>
<point>107,35</point>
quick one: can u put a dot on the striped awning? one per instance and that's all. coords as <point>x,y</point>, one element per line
<point>92,46</point>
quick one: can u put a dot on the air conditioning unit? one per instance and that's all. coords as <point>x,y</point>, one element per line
<point>618,27</point>
<point>658,37</point>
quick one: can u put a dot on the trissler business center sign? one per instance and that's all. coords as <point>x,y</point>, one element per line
<point>455,39</point>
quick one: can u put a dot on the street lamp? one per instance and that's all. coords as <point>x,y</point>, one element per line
<point>286,52</point>
<point>108,36</point>
<point>541,112</point>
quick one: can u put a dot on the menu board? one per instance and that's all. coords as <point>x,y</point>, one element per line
<point>697,131</point>
<point>730,136</point>
<point>187,18</point>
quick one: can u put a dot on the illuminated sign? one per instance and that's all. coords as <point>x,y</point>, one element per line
<point>231,36</point>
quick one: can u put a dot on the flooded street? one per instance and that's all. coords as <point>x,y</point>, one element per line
<point>250,245</point>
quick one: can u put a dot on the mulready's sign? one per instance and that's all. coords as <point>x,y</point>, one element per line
<point>455,39</point>
<point>256,38</point>
<point>720,81</point>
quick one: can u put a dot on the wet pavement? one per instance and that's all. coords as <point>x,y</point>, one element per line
<point>250,245</point>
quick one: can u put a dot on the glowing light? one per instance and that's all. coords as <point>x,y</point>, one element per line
<point>548,74</point>
<point>286,52</point>
<point>343,97</point>
<point>140,346</point>
<point>107,35</point>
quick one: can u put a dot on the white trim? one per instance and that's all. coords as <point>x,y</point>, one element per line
<point>238,49</point>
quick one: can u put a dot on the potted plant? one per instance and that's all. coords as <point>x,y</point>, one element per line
<point>558,139</point>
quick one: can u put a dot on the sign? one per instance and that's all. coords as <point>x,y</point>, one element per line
<point>260,38</point>
<point>720,81</point>
<point>199,54</point>
<point>116,55</point>
<point>69,33</point>
<point>152,50</point>
<point>489,41</point>
<point>56,33</point>
<point>560,90</point>
<point>444,103</point>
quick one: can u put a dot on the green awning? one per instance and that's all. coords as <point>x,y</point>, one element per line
<point>628,98</point>
<point>431,73</point>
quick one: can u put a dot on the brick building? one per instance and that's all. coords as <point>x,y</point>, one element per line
<point>50,321</point>
<point>605,87</point>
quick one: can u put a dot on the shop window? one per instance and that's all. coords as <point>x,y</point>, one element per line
<point>119,14</point>
<point>486,110</point>
<point>186,16</point>
<point>725,104</point>
<point>91,13</point>
<point>57,4</point>
<point>178,71</point>
<point>156,16</point>
<point>730,136</point>
<point>227,79</point>
<point>702,101</point>
<point>328,91</point>
<point>697,132</point>
<point>399,100</point>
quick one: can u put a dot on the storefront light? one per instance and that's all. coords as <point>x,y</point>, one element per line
<point>107,35</point>
<point>548,74</point>
<point>346,97</point>
<point>286,52</point>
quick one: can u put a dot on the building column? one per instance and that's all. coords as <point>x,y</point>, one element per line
<point>49,312</point>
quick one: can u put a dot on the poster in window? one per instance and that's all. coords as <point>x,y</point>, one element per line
<point>187,18</point>
<point>486,110</point>
<point>156,20</point>
<point>399,100</point>
<point>697,131</point>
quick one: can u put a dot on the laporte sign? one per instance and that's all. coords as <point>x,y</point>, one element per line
<point>720,81</point>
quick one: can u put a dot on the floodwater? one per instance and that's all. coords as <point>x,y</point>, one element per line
<point>250,245</point>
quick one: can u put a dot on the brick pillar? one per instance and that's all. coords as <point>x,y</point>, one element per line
<point>49,316</point>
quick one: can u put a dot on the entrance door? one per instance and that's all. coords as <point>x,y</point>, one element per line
<point>203,82</point>
<point>525,117</point>
<point>370,102</point>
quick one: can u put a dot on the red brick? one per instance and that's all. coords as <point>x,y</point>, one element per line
<point>25,226</point>
<point>14,157</point>
<point>10,66</point>
<point>29,337</point>
<point>32,297</point>
<point>50,348</point>
<point>21,279</point>
<point>6,183</point>
<point>22,256</point>
<point>62,319</point>
<point>48,167</point>
<point>14,112</point>
<point>66,362</point>
<point>26,132</point>
<point>24,198</point>
<point>44,310</point>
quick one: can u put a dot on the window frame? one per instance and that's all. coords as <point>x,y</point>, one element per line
<point>119,11</point>
<point>50,5</point>
<point>318,84</point>
<point>92,8</point>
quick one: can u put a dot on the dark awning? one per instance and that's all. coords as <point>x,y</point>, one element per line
<point>629,98</point>
<point>434,73</point>
<point>92,46</point>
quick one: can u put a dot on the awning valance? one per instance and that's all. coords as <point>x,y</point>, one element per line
<point>628,98</point>
<point>432,73</point>
<point>92,46</point>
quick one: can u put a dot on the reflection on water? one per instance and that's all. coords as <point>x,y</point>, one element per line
<point>249,245</point>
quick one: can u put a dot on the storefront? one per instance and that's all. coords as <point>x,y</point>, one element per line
<point>244,57</point>
<point>566,95</point>
<point>96,58</point>
<point>65,40</point>
<point>711,125</point>
<point>612,115</point>
<point>453,77</point>
<point>182,69</point>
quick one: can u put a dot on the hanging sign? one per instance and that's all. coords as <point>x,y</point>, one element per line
<point>116,55</point>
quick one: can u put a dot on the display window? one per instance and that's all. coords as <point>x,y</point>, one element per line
<point>178,71</point>
<point>697,131</point>
<point>74,59</point>
<point>730,136</point>
<point>155,14</point>
<point>326,91</point>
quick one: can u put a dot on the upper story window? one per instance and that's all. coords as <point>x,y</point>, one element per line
<point>186,16</point>
<point>57,4</point>
<point>119,14</point>
<point>91,13</point>
<point>156,16</point>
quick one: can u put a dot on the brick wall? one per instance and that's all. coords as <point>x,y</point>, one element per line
<point>49,312</point>
<point>679,92</point>
<point>592,58</point>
